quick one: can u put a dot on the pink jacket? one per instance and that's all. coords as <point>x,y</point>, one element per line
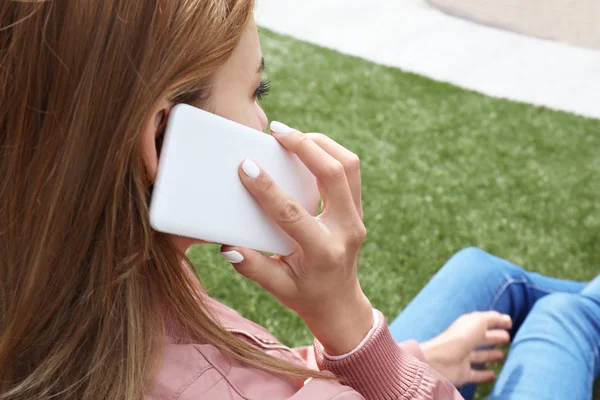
<point>377,369</point>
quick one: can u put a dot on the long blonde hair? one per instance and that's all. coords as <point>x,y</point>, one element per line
<point>83,276</point>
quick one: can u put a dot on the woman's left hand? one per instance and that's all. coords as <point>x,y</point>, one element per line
<point>319,279</point>
<point>453,352</point>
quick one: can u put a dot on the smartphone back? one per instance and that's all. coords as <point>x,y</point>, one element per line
<point>198,192</point>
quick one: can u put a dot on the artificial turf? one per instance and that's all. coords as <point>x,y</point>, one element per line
<point>443,168</point>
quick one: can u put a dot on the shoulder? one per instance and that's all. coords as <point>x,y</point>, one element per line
<point>195,371</point>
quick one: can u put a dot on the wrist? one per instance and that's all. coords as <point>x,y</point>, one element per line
<point>427,348</point>
<point>435,351</point>
<point>341,327</point>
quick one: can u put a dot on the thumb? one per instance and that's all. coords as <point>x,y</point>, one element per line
<point>268,272</point>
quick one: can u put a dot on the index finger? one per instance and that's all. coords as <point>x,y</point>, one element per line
<point>496,320</point>
<point>349,160</point>
<point>495,337</point>
<point>292,218</point>
<point>329,171</point>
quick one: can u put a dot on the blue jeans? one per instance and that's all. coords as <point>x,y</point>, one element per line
<point>556,331</point>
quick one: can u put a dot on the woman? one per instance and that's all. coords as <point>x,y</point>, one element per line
<point>97,305</point>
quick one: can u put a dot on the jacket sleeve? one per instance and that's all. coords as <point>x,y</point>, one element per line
<point>382,370</point>
<point>307,353</point>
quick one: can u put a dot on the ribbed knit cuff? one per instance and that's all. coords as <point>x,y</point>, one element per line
<point>379,369</point>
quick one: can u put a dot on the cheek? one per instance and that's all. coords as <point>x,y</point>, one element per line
<point>262,117</point>
<point>243,111</point>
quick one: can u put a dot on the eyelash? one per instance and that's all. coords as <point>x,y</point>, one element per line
<point>263,89</point>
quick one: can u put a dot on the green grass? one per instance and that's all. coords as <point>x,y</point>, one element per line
<point>443,168</point>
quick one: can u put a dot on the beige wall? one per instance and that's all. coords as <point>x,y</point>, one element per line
<point>570,21</point>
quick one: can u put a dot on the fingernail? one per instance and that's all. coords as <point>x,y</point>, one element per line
<point>279,128</point>
<point>507,317</point>
<point>233,256</point>
<point>250,168</point>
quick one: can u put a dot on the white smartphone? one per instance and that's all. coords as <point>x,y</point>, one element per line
<point>198,192</point>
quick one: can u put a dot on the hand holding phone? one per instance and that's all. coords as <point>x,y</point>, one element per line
<point>319,279</point>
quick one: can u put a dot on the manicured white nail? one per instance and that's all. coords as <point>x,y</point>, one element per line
<point>279,128</point>
<point>233,256</point>
<point>250,168</point>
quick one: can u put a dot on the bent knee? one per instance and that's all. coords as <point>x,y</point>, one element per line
<point>470,253</point>
<point>565,307</point>
<point>472,260</point>
<point>564,318</point>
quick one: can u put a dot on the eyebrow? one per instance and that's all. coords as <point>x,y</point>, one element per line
<point>261,67</point>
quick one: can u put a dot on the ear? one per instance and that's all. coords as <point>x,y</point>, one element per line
<point>151,137</point>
